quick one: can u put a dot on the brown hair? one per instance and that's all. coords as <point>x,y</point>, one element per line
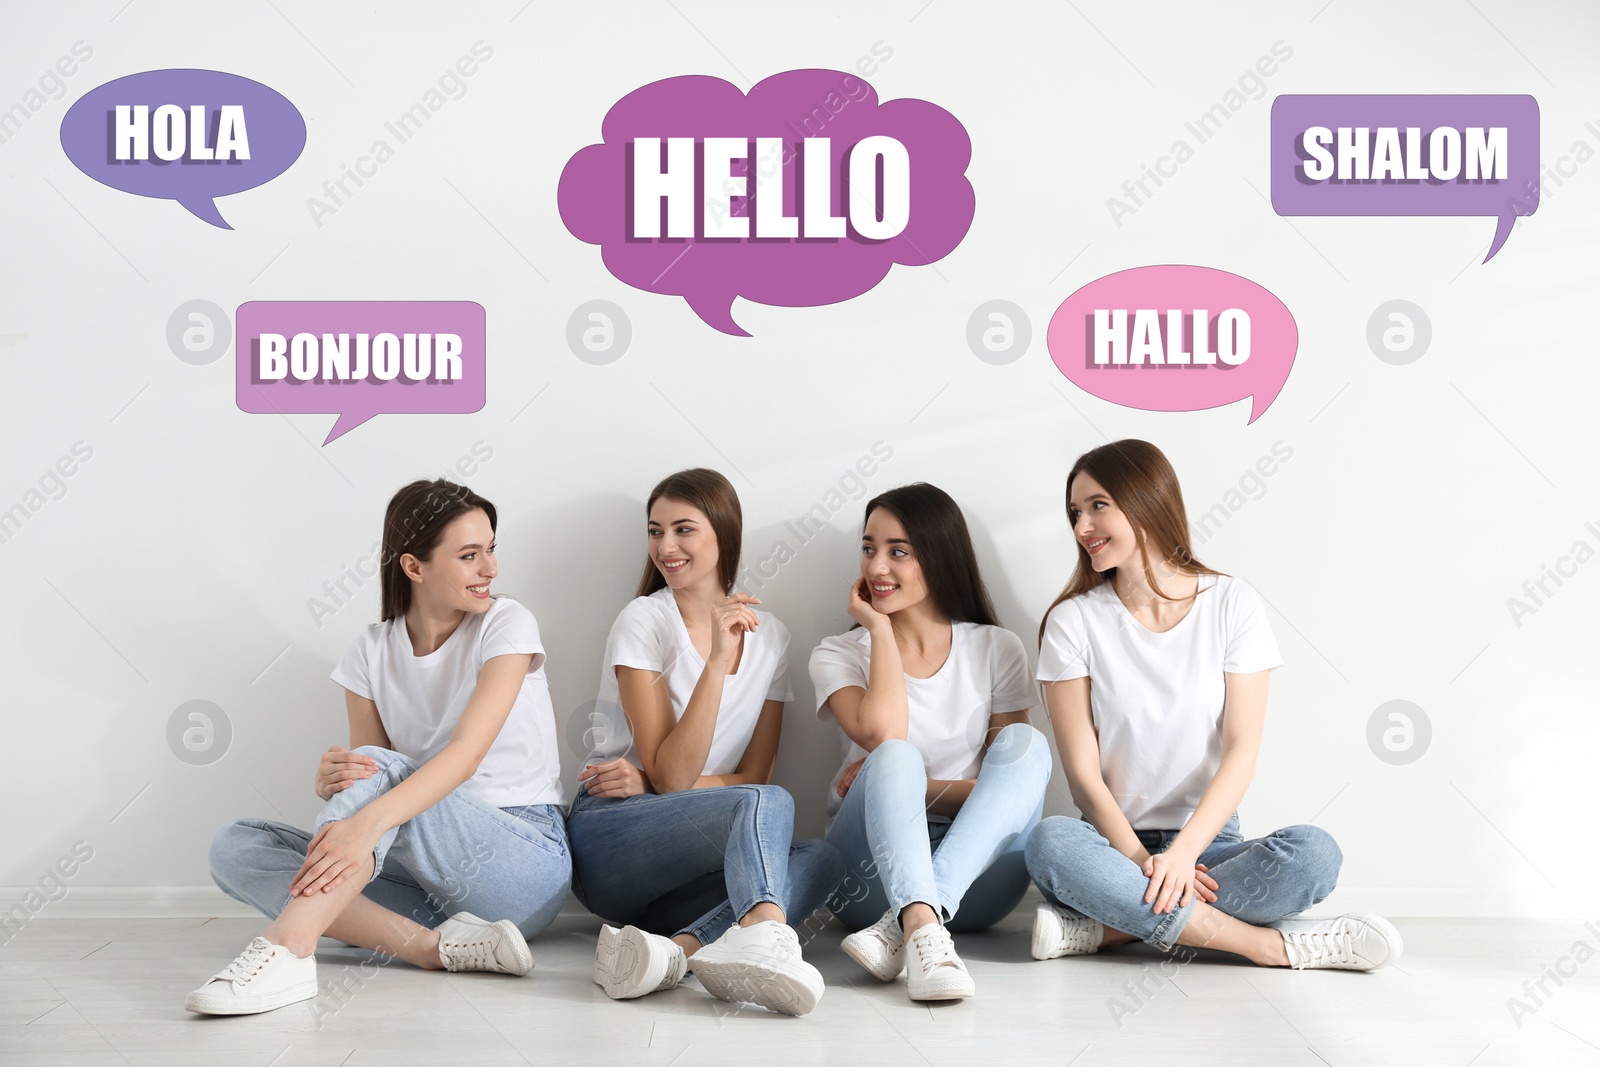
<point>938,531</point>
<point>712,494</point>
<point>1143,484</point>
<point>413,525</point>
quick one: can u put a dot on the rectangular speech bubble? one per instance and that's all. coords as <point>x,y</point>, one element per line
<point>1407,155</point>
<point>360,358</point>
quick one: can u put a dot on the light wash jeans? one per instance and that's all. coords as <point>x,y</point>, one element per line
<point>459,855</point>
<point>970,869</point>
<point>694,861</point>
<point>1259,881</point>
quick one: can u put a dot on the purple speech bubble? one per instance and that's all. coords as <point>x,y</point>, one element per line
<point>360,358</point>
<point>822,261</point>
<point>184,135</point>
<point>1447,155</point>
<point>1174,337</point>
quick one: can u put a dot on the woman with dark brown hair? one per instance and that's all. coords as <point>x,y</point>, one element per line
<point>941,777</point>
<point>677,835</point>
<point>448,797</point>
<point>1155,674</point>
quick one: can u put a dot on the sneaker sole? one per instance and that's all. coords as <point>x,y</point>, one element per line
<point>605,956</point>
<point>745,981</point>
<point>629,975</point>
<point>949,992</point>
<point>873,963</point>
<point>206,1005</point>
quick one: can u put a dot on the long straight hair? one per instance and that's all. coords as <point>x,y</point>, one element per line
<point>1141,482</point>
<point>938,532</point>
<point>413,525</point>
<point>712,494</point>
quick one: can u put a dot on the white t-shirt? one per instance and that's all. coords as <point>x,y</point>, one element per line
<point>1157,698</point>
<point>948,713</point>
<point>650,635</point>
<point>420,699</point>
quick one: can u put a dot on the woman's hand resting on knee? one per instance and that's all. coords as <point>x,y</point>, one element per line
<point>335,854</point>
<point>341,768</point>
<point>613,778</point>
<point>1175,880</point>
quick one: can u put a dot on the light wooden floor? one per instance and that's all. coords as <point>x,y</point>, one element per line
<point>111,992</point>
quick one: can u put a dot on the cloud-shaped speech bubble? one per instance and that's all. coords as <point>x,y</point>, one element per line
<point>1175,338</point>
<point>359,358</point>
<point>184,135</point>
<point>803,192</point>
<point>1407,155</point>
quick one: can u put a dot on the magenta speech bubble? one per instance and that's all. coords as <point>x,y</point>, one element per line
<point>1407,155</point>
<point>184,135</point>
<point>803,192</point>
<point>1175,338</point>
<point>359,358</point>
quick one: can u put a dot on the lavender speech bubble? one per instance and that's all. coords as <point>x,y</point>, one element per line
<point>1407,155</point>
<point>803,192</point>
<point>1175,338</point>
<point>184,135</point>
<point>359,358</point>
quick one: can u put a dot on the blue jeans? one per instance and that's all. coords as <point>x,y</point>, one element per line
<point>695,861</point>
<point>459,855</point>
<point>970,869</point>
<point>1259,881</point>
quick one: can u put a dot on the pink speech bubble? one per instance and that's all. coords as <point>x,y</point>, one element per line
<point>1175,338</point>
<point>360,358</point>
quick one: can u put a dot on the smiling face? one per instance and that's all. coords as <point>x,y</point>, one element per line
<point>889,564</point>
<point>461,568</point>
<point>1102,528</point>
<point>683,544</point>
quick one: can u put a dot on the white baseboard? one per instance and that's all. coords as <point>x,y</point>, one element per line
<point>204,901</point>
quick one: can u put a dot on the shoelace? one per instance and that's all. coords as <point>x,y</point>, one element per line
<point>888,928</point>
<point>476,953</point>
<point>935,948</point>
<point>1078,931</point>
<point>249,963</point>
<point>1320,946</point>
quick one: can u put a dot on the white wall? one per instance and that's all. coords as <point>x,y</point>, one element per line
<point>180,560</point>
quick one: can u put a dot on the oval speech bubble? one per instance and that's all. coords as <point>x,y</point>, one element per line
<point>360,358</point>
<point>1175,338</point>
<point>803,192</point>
<point>184,135</point>
<point>1407,155</point>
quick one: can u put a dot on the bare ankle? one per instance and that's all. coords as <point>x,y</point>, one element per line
<point>1273,951</point>
<point>914,917</point>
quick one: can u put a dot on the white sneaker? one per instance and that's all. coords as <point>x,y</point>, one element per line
<point>1061,931</point>
<point>629,962</point>
<point>760,964</point>
<point>933,970</point>
<point>264,977</point>
<point>880,948</point>
<point>468,943</point>
<point>1358,941</point>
